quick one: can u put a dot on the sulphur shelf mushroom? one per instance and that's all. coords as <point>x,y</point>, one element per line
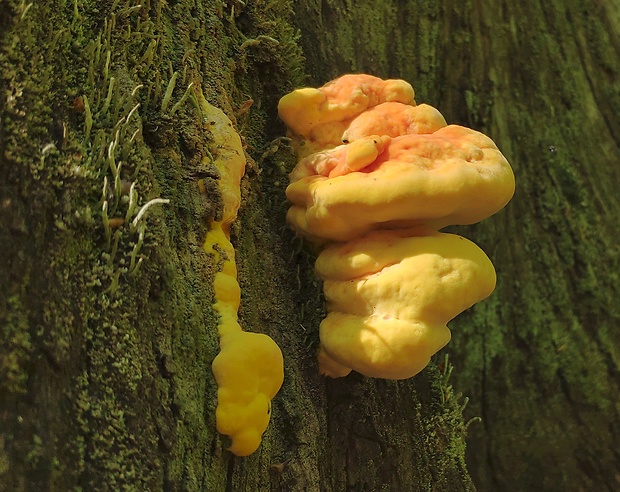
<point>377,178</point>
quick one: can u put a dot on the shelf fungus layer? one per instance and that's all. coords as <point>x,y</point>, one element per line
<point>377,177</point>
<point>390,295</point>
<point>249,368</point>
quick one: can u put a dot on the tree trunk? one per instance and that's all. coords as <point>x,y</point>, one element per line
<point>108,336</point>
<point>107,339</point>
<point>539,359</point>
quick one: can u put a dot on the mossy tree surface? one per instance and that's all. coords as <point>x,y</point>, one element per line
<point>106,340</point>
<point>107,327</point>
<point>540,359</point>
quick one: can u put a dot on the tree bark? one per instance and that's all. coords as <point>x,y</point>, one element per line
<point>105,360</point>
<point>108,335</point>
<point>539,360</point>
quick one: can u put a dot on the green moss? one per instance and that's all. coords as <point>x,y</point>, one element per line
<point>17,347</point>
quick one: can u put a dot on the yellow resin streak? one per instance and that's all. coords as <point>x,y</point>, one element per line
<point>249,369</point>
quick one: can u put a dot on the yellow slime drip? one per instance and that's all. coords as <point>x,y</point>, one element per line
<point>249,369</point>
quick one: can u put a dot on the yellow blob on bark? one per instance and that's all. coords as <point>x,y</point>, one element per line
<point>249,369</point>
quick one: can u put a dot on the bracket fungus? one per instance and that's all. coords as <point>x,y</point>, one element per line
<point>317,118</point>
<point>377,178</point>
<point>454,176</point>
<point>249,368</point>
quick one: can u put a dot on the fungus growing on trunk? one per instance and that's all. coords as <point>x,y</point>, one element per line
<point>392,281</point>
<point>317,118</point>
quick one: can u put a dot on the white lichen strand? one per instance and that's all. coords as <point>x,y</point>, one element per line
<point>144,208</point>
<point>168,94</point>
<point>186,94</point>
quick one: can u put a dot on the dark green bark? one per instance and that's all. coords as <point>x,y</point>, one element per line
<point>105,360</point>
<point>539,359</point>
